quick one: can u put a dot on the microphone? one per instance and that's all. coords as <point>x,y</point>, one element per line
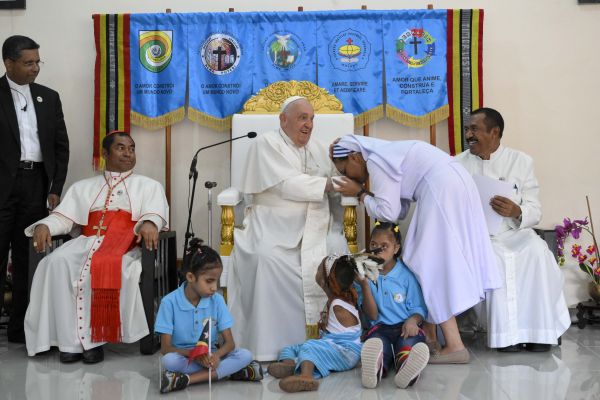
<point>250,135</point>
<point>24,108</point>
<point>210,185</point>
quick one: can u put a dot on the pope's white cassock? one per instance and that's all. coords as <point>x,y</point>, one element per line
<point>59,308</point>
<point>287,230</point>
<point>531,307</point>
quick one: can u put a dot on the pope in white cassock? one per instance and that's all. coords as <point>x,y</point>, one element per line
<point>530,310</point>
<point>288,229</point>
<point>86,293</point>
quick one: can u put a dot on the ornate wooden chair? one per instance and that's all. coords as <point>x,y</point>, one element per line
<point>260,114</point>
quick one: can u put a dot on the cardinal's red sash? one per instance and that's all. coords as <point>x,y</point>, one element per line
<point>119,238</point>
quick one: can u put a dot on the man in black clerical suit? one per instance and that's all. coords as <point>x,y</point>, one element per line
<point>34,155</point>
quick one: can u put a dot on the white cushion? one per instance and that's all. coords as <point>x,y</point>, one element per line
<point>229,197</point>
<point>349,201</point>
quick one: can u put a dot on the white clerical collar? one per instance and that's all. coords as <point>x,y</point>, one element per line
<point>16,86</point>
<point>113,174</point>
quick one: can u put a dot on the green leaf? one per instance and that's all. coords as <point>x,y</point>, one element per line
<point>585,268</point>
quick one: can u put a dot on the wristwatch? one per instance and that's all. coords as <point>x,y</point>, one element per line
<point>362,190</point>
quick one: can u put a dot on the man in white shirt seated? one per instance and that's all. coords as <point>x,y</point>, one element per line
<point>530,310</point>
<point>86,292</point>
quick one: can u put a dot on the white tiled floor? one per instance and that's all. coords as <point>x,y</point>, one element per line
<point>571,371</point>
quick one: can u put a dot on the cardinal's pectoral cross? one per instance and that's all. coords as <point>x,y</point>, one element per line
<point>99,228</point>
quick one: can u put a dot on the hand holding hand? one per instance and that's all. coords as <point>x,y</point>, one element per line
<point>505,207</point>
<point>347,186</point>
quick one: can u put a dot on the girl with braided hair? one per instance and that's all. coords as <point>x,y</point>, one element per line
<point>394,306</point>
<point>338,349</point>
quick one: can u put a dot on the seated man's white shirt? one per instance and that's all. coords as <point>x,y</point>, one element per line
<point>287,230</point>
<point>60,300</point>
<point>531,307</point>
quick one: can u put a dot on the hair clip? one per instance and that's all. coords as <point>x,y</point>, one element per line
<point>377,223</point>
<point>396,229</point>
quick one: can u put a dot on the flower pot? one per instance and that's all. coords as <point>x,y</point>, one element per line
<point>594,291</point>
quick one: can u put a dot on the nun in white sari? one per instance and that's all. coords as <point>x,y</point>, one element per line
<point>447,246</point>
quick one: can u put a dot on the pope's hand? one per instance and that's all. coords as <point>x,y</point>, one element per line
<point>505,207</point>
<point>41,238</point>
<point>148,232</point>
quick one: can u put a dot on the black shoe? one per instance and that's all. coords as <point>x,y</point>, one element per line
<point>515,348</point>
<point>67,358</point>
<point>93,356</point>
<point>537,347</point>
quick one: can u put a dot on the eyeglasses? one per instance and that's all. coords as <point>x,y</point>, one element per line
<point>30,64</point>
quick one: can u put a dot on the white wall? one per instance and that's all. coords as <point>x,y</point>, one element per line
<point>541,64</point>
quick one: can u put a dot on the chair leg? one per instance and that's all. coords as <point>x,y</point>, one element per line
<point>148,344</point>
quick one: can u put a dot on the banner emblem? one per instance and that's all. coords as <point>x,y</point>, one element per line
<point>415,47</point>
<point>349,50</point>
<point>156,49</point>
<point>220,54</point>
<point>284,50</point>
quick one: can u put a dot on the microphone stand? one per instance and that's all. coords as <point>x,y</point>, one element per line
<point>209,185</point>
<point>194,175</point>
<point>188,233</point>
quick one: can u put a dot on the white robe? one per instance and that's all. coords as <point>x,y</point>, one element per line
<point>531,307</point>
<point>59,306</point>
<point>287,230</point>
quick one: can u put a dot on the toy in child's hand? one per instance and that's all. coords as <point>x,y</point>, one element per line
<point>368,264</point>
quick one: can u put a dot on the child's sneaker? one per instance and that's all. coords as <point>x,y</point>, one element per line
<point>298,383</point>
<point>252,372</point>
<point>281,370</point>
<point>413,365</point>
<point>371,358</point>
<point>171,381</point>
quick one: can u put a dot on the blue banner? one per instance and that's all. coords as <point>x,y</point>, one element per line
<point>220,47</point>
<point>351,61</point>
<point>416,66</point>
<point>285,48</point>
<point>158,69</point>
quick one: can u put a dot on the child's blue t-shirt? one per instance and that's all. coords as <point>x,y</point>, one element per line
<point>184,322</point>
<point>397,295</point>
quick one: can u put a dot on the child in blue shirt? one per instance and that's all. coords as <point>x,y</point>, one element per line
<point>181,318</point>
<point>394,307</point>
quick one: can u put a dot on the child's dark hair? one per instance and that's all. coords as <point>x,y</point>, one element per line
<point>201,258</point>
<point>341,278</point>
<point>391,228</point>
